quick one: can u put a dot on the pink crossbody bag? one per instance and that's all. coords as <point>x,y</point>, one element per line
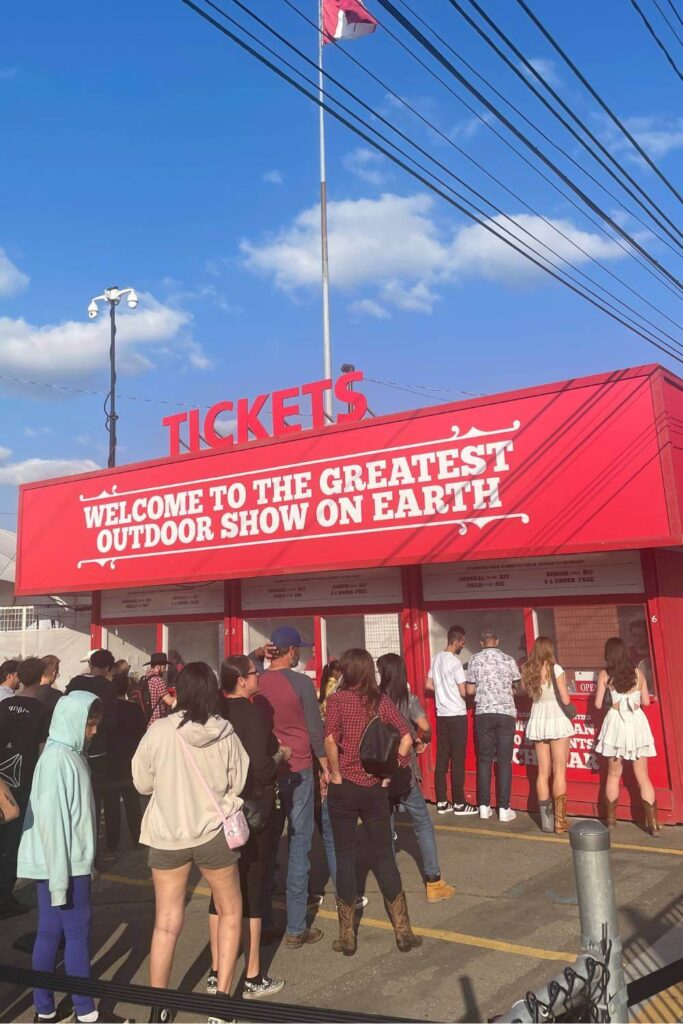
<point>235,827</point>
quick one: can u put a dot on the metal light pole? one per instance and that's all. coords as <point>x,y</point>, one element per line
<point>113,296</point>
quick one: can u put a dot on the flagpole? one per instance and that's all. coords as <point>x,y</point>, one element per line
<point>327,341</point>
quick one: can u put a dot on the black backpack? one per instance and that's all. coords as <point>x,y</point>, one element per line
<point>379,748</point>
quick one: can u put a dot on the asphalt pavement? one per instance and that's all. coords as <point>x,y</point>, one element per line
<point>513,924</point>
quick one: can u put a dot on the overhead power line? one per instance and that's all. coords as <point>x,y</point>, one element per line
<point>656,38</point>
<point>402,152</point>
<point>577,120</point>
<point>313,96</point>
<point>608,110</point>
<point>672,5</point>
<point>449,141</point>
<point>672,27</point>
<point>659,277</point>
<point>416,34</point>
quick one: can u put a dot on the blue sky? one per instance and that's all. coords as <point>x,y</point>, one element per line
<point>144,149</point>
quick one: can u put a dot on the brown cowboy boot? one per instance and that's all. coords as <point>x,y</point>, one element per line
<point>611,806</point>
<point>398,912</point>
<point>346,943</point>
<point>651,823</point>
<point>561,824</point>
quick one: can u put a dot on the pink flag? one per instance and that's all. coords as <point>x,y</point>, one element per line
<point>346,19</point>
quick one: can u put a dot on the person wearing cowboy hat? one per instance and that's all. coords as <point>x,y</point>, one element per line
<point>156,681</point>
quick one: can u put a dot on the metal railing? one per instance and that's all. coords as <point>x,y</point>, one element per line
<point>17,617</point>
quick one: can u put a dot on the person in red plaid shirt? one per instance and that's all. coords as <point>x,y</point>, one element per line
<point>353,794</point>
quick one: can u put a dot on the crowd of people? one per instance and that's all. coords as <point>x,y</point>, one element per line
<point>210,770</point>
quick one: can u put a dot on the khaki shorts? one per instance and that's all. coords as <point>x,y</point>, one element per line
<point>214,855</point>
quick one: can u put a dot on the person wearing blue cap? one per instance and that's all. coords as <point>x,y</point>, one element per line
<point>289,702</point>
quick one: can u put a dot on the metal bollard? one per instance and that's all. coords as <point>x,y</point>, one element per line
<point>590,845</point>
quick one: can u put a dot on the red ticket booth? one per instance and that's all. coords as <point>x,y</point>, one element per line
<point>556,510</point>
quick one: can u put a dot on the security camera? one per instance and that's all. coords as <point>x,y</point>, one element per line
<point>93,310</point>
<point>132,299</point>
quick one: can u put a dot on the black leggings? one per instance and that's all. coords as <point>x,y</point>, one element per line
<point>254,859</point>
<point>347,803</point>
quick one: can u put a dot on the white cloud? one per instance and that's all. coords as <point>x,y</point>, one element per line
<point>658,136</point>
<point>11,278</point>
<point>4,453</point>
<point>273,177</point>
<point>367,165</point>
<point>74,350</point>
<point>546,68</point>
<point>400,252</point>
<point>368,307</point>
<point>41,469</point>
<point>36,431</point>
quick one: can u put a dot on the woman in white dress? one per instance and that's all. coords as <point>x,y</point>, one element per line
<point>625,733</point>
<point>550,730</point>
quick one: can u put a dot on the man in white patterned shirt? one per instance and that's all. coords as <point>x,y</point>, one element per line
<point>491,677</point>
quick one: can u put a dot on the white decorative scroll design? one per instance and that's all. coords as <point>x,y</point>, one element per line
<point>463,524</point>
<point>476,432</point>
<point>328,460</point>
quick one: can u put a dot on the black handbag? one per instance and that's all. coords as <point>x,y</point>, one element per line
<point>379,748</point>
<point>568,710</point>
<point>257,810</point>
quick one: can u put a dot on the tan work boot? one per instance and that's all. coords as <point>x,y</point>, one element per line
<point>305,938</point>
<point>439,890</point>
<point>398,912</point>
<point>347,942</point>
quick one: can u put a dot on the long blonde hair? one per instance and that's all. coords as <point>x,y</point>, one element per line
<point>542,653</point>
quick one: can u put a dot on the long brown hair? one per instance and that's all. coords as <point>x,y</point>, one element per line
<point>542,653</point>
<point>620,668</point>
<point>358,674</point>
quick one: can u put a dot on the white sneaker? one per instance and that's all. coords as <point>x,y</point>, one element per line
<point>485,811</point>
<point>506,814</point>
<point>444,807</point>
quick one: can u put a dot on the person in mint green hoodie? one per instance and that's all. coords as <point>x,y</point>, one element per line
<point>58,848</point>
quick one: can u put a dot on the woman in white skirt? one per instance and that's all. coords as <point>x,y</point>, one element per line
<point>625,733</point>
<point>550,730</point>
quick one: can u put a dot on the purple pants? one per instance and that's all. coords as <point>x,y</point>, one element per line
<point>71,920</point>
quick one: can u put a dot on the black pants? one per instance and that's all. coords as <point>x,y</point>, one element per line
<point>451,743</point>
<point>10,837</point>
<point>255,857</point>
<point>347,803</point>
<point>106,798</point>
<point>495,738</point>
<point>116,791</point>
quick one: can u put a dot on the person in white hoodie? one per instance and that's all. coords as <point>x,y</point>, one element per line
<point>182,825</point>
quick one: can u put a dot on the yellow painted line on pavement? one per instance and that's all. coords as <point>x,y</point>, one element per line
<point>500,833</point>
<point>459,938</point>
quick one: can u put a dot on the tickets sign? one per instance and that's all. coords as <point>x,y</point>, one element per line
<point>558,469</point>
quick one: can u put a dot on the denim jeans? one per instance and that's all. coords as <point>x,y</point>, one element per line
<point>296,797</point>
<point>495,739</point>
<point>328,842</point>
<point>414,804</point>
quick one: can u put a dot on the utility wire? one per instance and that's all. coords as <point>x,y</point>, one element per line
<point>673,30</point>
<point>673,8</point>
<point>660,278</point>
<point>446,138</point>
<point>591,135</point>
<point>314,97</point>
<point>608,110</point>
<point>656,38</point>
<point>417,35</point>
<point>427,170</point>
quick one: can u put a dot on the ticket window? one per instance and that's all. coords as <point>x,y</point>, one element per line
<point>133,643</point>
<point>579,635</point>
<point>506,623</point>
<point>378,633</point>
<point>257,632</point>
<point>196,641</point>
